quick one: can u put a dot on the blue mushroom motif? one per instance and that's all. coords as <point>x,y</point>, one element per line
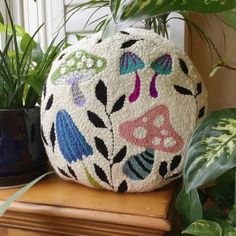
<point>71,141</point>
<point>161,66</point>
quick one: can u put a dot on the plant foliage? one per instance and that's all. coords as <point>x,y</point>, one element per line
<point>211,156</point>
<point>126,13</point>
<point>23,66</point>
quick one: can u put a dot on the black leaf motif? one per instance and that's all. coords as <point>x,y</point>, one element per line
<point>43,137</point>
<point>96,120</point>
<point>120,155</point>
<point>118,104</point>
<point>182,90</point>
<point>44,90</point>
<point>101,92</point>
<point>49,102</point>
<point>124,32</point>
<point>52,136</point>
<point>101,147</point>
<point>123,187</point>
<point>62,55</point>
<point>175,162</point>
<point>99,41</point>
<point>183,66</point>
<point>72,172</point>
<point>128,43</point>
<point>199,88</point>
<point>63,173</point>
<point>201,112</point>
<point>101,174</point>
<point>163,168</point>
<point>32,133</point>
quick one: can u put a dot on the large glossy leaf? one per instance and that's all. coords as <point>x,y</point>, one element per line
<point>126,13</point>
<point>189,206</point>
<point>212,149</point>
<point>204,228</point>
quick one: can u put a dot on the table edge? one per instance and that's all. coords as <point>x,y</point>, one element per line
<point>91,215</point>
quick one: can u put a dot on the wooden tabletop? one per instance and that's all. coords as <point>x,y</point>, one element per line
<point>56,198</point>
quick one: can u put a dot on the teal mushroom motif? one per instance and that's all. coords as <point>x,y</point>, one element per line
<point>131,63</point>
<point>161,66</point>
<point>77,67</point>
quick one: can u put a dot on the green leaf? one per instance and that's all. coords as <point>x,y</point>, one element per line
<point>232,216</point>
<point>92,181</point>
<point>225,225</point>
<point>130,12</point>
<point>19,193</point>
<point>37,54</point>
<point>114,6</point>
<point>27,43</point>
<point>212,149</point>
<point>189,206</point>
<point>229,17</point>
<point>230,234</point>
<point>20,31</point>
<point>214,71</point>
<point>79,36</point>
<point>222,193</point>
<point>204,228</point>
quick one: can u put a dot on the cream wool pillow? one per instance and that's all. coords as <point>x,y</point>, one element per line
<point>117,113</point>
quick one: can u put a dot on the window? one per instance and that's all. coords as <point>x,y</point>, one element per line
<point>32,13</point>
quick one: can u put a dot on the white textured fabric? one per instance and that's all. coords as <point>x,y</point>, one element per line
<point>118,113</point>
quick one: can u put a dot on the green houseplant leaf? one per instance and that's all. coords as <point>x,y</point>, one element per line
<point>126,13</point>
<point>212,149</point>
<point>204,228</point>
<point>229,17</point>
<point>189,206</point>
<point>19,193</point>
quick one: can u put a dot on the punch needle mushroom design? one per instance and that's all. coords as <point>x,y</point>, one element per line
<point>161,66</point>
<point>153,130</point>
<point>71,141</point>
<point>77,67</point>
<point>131,63</point>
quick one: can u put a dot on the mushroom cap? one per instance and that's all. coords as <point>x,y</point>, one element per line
<point>130,62</point>
<point>153,130</point>
<point>162,65</point>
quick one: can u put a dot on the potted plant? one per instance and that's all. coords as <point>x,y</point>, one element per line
<point>23,71</point>
<point>211,156</point>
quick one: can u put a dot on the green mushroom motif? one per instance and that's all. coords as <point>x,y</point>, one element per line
<point>77,67</point>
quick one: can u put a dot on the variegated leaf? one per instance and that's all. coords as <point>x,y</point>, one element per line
<point>127,13</point>
<point>212,149</point>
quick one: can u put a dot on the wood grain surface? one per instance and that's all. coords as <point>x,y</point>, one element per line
<point>57,207</point>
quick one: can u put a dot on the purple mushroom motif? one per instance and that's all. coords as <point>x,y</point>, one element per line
<point>131,63</point>
<point>161,66</point>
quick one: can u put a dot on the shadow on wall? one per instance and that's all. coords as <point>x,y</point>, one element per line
<point>222,86</point>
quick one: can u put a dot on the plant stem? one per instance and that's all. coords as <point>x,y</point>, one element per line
<point>235,187</point>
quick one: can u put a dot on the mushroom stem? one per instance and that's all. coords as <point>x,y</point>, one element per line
<point>135,94</point>
<point>153,91</point>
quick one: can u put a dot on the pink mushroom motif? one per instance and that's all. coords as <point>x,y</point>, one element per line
<point>131,63</point>
<point>153,130</point>
<point>161,66</point>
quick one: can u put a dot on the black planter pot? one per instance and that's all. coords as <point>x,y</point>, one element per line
<point>22,156</point>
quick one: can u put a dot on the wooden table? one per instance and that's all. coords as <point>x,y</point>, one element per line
<point>57,207</point>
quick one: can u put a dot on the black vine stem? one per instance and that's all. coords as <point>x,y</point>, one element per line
<point>112,150</point>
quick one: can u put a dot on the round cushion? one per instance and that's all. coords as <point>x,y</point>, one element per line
<point>117,113</point>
